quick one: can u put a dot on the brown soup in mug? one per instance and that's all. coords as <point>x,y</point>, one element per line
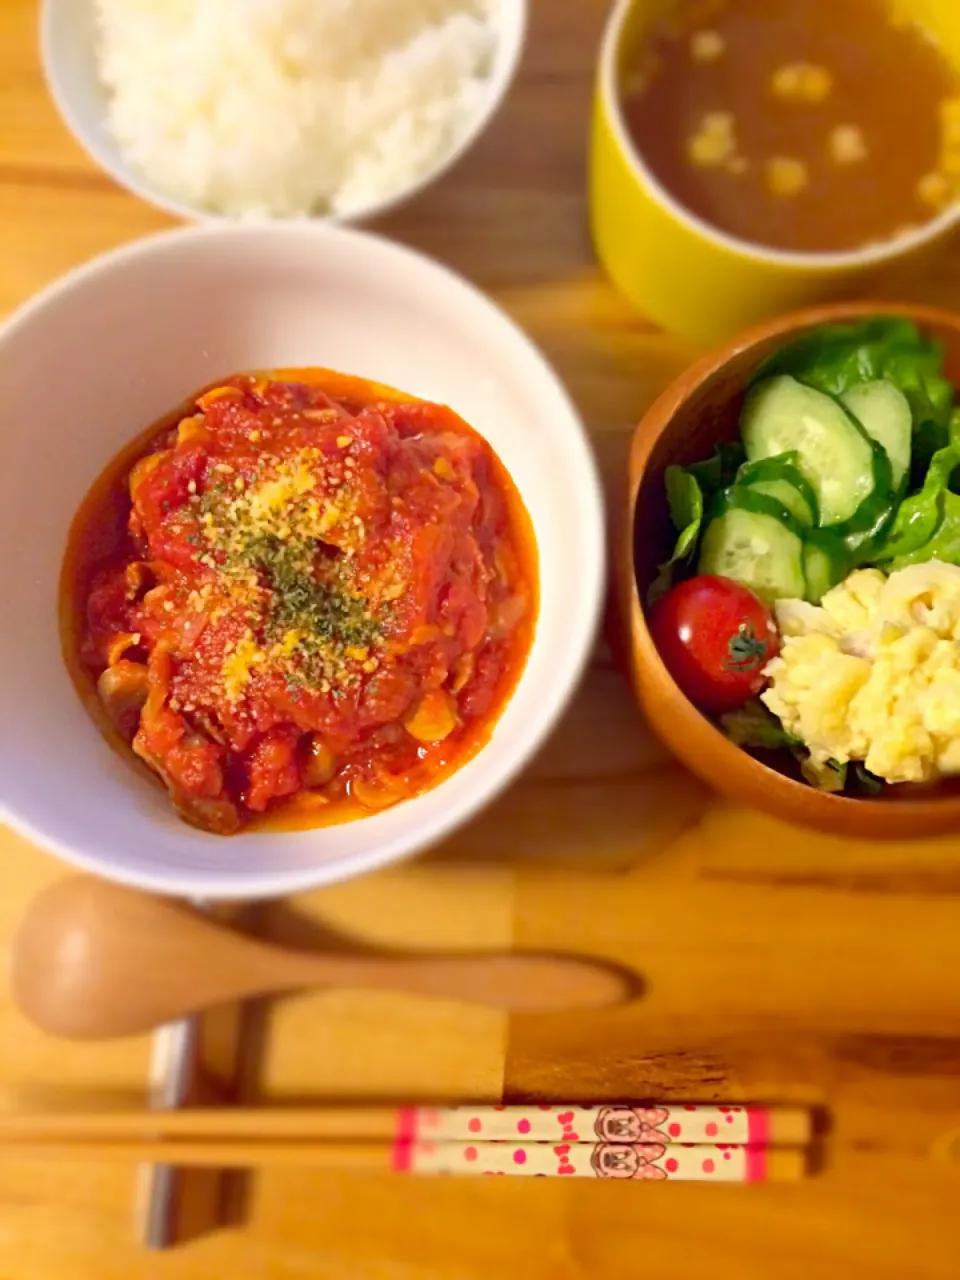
<point>803,125</point>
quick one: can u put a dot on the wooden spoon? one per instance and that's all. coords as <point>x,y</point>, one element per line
<point>92,960</point>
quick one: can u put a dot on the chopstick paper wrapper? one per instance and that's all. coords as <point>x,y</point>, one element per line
<point>755,1126</point>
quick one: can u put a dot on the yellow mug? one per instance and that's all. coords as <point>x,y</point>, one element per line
<point>677,269</point>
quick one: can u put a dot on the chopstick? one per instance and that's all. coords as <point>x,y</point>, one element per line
<point>622,1141</point>
<point>644,1162</point>
<point>573,1125</point>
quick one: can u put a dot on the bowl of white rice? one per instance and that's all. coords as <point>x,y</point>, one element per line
<point>263,109</point>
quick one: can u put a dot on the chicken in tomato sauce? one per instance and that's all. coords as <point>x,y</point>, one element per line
<point>303,594</point>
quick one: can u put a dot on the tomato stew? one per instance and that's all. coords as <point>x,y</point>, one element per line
<point>302,595</point>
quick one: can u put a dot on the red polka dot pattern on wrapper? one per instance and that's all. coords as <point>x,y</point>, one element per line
<point>523,1126</point>
<point>711,1130</point>
<point>729,1119</point>
<point>519,1157</point>
<point>566,1120</point>
<point>470,1153</point>
<point>474,1125</point>
<point>674,1130</point>
<point>670,1165</point>
<point>708,1166</point>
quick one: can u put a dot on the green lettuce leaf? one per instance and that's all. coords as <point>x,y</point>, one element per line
<point>927,525</point>
<point>830,776</point>
<point>686,511</point>
<point>919,516</point>
<point>945,543</point>
<point>690,491</point>
<point>754,727</point>
<point>719,471</point>
<point>862,782</point>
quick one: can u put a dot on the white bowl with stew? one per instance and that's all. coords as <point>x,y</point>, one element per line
<point>98,357</point>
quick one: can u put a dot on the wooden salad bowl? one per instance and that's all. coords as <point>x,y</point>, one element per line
<point>699,410</point>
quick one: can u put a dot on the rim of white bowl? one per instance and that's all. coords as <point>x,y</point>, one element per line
<point>513,755</point>
<point>126,176</point>
<point>838,259</point>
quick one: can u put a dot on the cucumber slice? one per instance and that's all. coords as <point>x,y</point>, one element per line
<point>781,478</point>
<point>783,491</point>
<point>783,416</point>
<point>873,517</point>
<point>884,413</point>
<point>745,498</point>
<point>825,564</point>
<point>755,549</point>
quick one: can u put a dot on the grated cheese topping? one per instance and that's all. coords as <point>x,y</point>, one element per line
<point>263,535</point>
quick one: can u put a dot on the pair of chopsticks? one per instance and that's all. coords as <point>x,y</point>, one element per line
<point>621,1141</point>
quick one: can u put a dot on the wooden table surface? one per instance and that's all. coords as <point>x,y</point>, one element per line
<point>779,964</point>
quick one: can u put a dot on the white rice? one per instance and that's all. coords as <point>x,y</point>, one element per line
<point>285,108</point>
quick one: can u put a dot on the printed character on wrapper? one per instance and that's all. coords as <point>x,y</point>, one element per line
<point>611,1160</point>
<point>631,1124</point>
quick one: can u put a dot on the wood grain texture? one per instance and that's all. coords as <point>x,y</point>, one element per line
<point>780,965</point>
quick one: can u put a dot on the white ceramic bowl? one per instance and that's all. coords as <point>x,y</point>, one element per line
<point>100,355</point>
<point>68,52</point>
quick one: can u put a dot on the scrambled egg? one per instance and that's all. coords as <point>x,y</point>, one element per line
<point>873,673</point>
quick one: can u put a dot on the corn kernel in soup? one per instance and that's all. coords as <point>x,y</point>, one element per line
<point>797,124</point>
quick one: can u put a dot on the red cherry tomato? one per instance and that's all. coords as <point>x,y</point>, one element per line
<point>715,638</point>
